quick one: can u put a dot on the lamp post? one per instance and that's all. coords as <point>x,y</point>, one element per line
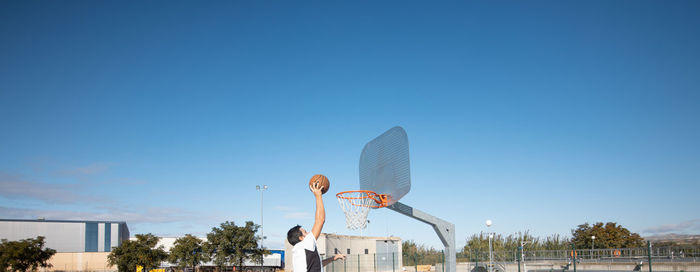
<point>592,245</point>
<point>488,225</point>
<point>262,189</point>
<point>522,254</point>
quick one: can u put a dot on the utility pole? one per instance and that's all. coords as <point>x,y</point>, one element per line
<point>488,225</point>
<point>649,253</point>
<point>522,255</point>
<point>262,233</point>
<point>592,245</point>
<point>573,255</point>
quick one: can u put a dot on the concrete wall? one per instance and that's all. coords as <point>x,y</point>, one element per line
<point>80,261</point>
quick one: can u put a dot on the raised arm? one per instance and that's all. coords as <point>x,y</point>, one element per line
<point>320,217</point>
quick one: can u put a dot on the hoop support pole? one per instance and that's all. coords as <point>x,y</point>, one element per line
<point>445,231</point>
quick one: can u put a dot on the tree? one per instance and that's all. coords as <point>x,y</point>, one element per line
<point>140,252</point>
<point>187,251</point>
<point>409,251</point>
<point>610,235</point>
<point>477,246</point>
<point>24,255</point>
<point>419,254</point>
<point>231,244</point>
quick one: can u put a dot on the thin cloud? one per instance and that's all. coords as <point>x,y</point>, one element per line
<point>681,227</point>
<point>16,187</point>
<point>125,181</point>
<point>283,208</point>
<point>150,215</point>
<point>91,169</point>
<point>297,215</point>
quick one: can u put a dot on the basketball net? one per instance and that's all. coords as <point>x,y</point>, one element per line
<point>356,206</point>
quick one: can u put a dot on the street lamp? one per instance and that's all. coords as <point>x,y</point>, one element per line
<point>488,225</point>
<point>592,245</point>
<point>262,233</point>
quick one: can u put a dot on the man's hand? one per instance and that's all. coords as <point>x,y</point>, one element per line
<point>316,188</point>
<point>334,258</point>
<point>320,217</point>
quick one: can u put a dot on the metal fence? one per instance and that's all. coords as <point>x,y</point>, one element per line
<point>506,260</point>
<point>665,254</point>
<point>380,262</point>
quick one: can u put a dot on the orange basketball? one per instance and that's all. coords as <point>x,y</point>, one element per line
<point>321,179</point>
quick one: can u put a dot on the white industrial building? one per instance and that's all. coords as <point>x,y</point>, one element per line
<point>68,235</point>
<point>370,253</point>
<point>80,245</point>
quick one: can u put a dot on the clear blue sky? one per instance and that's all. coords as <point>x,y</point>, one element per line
<point>538,115</point>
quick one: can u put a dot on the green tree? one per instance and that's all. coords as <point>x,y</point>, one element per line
<point>554,242</point>
<point>140,252</point>
<point>187,251</point>
<point>610,235</point>
<point>24,255</point>
<point>409,251</point>
<point>414,254</point>
<point>477,246</point>
<point>231,244</point>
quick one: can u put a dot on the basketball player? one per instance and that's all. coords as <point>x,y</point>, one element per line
<point>305,256</point>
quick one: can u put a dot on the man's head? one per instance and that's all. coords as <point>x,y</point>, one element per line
<point>296,234</point>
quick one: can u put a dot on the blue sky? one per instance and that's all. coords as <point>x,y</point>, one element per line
<point>538,115</point>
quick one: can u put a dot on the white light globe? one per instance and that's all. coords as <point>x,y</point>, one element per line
<point>488,223</point>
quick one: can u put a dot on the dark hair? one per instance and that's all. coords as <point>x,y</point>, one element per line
<point>293,235</point>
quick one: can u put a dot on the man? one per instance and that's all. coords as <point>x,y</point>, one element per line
<point>305,256</point>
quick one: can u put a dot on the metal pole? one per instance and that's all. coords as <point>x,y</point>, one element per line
<point>490,254</point>
<point>522,255</point>
<point>592,245</point>
<point>520,248</point>
<point>262,233</point>
<point>262,228</point>
<point>649,253</point>
<point>573,255</point>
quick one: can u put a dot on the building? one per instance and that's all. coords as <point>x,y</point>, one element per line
<point>68,235</point>
<point>370,253</point>
<point>80,245</point>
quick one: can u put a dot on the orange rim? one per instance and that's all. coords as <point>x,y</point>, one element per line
<point>381,200</point>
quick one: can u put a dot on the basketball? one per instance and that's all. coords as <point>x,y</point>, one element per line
<point>320,179</point>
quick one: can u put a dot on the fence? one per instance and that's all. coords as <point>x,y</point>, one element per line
<point>380,262</point>
<point>665,254</point>
<point>675,258</point>
<point>507,260</point>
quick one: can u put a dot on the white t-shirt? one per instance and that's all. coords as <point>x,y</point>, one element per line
<point>306,257</point>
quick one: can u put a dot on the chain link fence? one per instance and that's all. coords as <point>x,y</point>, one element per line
<point>666,254</point>
<point>380,262</point>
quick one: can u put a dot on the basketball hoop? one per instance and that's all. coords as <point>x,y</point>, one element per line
<point>356,206</point>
